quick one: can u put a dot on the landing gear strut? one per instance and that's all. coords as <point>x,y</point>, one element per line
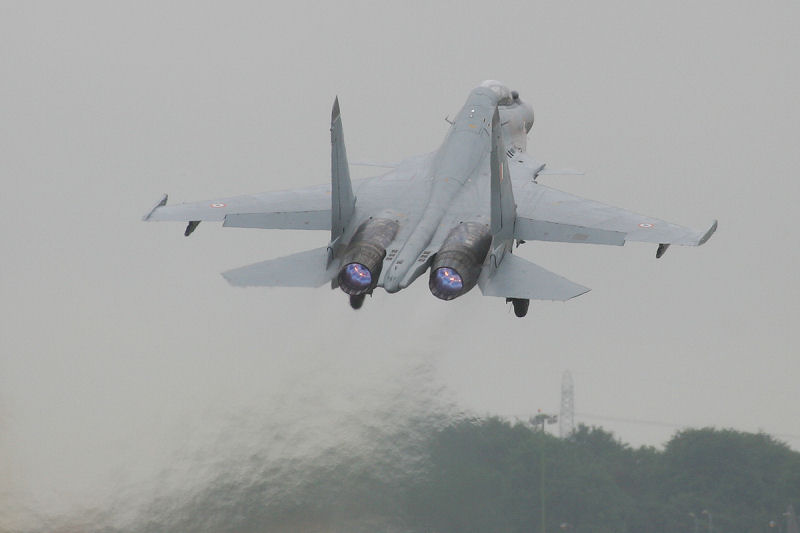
<point>357,300</point>
<point>520,306</point>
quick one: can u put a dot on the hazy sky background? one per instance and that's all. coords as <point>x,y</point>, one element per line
<point>125,354</point>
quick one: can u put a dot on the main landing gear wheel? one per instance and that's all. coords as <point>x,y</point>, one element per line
<point>357,300</point>
<point>520,306</point>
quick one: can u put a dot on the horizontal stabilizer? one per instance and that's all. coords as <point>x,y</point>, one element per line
<point>527,229</point>
<point>320,219</point>
<point>304,269</point>
<point>518,278</point>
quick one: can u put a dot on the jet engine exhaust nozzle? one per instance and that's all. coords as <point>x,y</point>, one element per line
<point>448,282</point>
<point>362,260</point>
<point>357,276</point>
<point>457,265</point>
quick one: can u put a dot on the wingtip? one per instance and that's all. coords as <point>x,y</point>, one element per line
<point>708,234</point>
<point>161,203</point>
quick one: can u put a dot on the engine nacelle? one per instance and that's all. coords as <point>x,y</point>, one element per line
<point>457,265</point>
<point>362,260</point>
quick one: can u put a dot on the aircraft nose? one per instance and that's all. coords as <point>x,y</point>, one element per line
<point>504,94</point>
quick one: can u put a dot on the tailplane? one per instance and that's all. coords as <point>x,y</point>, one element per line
<point>304,269</point>
<point>517,278</point>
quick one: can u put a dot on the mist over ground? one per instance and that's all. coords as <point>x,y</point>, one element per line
<point>321,450</point>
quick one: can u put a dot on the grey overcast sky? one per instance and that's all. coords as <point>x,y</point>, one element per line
<point>124,352</point>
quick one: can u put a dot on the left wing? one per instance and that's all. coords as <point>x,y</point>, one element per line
<point>295,209</point>
<point>591,221</point>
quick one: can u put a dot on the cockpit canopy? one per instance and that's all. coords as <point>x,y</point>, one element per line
<point>504,94</point>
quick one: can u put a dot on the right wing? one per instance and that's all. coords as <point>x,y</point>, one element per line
<point>546,212</point>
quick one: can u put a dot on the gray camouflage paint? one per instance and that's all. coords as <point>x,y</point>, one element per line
<point>428,196</point>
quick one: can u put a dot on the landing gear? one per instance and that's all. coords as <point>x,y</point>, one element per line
<point>520,306</point>
<point>357,300</point>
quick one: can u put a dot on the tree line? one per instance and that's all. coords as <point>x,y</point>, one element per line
<point>492,475</point>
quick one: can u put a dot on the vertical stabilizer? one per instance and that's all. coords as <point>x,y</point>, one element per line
<point>342,200</point>
<point>503,209</point>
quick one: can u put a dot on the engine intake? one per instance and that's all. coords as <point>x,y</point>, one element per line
<point>362,260</point>
<point>457,265</point>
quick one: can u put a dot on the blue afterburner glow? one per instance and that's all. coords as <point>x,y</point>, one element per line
<point>357,276</point>
<point>448,281</point>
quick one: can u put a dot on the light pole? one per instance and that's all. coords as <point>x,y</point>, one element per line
<point>539,421</point>
<point>710,521</point>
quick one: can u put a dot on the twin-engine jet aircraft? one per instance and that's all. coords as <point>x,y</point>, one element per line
<point>454,213</point>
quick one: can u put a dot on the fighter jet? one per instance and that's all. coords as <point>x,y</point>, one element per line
<point>455,213</point>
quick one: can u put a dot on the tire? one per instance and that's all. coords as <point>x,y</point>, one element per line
<point>520,306</point>
<point>357,300</point>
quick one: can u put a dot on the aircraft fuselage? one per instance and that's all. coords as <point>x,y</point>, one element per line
<point>458,177</point>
